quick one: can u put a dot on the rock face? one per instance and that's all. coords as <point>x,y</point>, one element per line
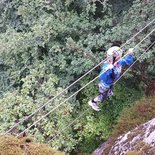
<point>102,148</point>
<point>140,141</point>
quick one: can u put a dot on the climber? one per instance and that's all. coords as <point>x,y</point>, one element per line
<point>110,72</point>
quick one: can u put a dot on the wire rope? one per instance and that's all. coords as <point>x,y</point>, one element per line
<point>77,91</point>
<point>48,102</point>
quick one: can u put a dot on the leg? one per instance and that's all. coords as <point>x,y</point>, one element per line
<point>103,94</point>
<point>94,103</point>
<point>110,92</point>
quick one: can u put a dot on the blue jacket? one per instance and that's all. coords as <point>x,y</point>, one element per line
<point>106,79</point>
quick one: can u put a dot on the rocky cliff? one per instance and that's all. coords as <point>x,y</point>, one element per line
<point>139,141</point>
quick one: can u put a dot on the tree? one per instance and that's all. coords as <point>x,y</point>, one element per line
<point>47,45</point>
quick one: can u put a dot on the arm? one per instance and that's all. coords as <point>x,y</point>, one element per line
<point>127,60</point>
<point>106,70</point>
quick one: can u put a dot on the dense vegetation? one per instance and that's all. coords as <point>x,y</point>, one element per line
<point>47,45</point>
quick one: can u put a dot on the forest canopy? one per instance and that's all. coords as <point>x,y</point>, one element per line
<point>46,45</point>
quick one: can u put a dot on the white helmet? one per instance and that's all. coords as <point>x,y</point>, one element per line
<point>114,51</point>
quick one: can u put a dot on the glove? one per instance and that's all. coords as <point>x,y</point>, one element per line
<point>131,51</point>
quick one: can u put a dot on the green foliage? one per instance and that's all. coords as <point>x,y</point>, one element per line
<point>98,126</point>
<point>46,45</point>
<point>37,88</point>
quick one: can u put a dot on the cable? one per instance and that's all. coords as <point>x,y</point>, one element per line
<point>76,91</point>
<point>27,117</point>
<point>134,62</point>
<point>114,84</point>
<point>79,89</point>
<point>72,122</point>
<point>141,30</point>
<point>37,110</point>
<point>99,64</point>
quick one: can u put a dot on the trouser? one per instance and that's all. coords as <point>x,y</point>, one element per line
<point>104,93</point>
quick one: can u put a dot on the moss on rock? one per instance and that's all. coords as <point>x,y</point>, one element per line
<point>141,112</point>
<point>13,146</point>
<point>132,153</point>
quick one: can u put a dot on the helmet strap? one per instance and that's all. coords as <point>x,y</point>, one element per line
<point>114,59</point>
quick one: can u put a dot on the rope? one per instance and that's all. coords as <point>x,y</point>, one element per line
<point>134,62</point>
<point>98,64</point>
<point>76,92</point>
<point>72,122</point>
<point>37,110</point>
<point>114,84</point>
<point>26,118</point>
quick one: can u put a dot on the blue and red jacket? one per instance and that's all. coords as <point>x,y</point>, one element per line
<point>106,79</point>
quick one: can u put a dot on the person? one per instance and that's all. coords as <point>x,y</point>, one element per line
<point>110,72</point>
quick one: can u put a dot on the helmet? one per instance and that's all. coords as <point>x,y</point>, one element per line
<point>113,54</point>
<point>114,51</point>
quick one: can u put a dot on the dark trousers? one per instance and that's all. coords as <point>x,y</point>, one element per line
<point>104,93</point>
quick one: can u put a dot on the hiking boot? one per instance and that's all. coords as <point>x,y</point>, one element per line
<point>94,105</point>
